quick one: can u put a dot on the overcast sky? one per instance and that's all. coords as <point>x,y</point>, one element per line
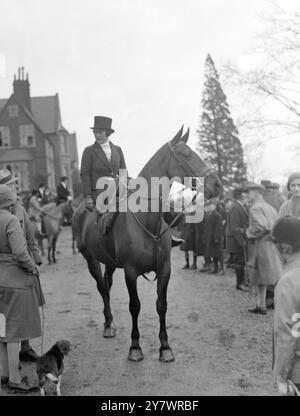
<point>137,61</point>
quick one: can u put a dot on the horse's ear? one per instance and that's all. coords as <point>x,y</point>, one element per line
<point>185,137</point>
<point>177,137</point>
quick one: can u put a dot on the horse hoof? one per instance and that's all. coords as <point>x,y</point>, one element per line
<point>135,354</point>
<point>166,356</point>
<point>109,332</point>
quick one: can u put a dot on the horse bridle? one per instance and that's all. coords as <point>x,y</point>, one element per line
<point>189,169</point>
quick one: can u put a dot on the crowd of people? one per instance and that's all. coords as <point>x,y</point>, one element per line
<point>258,229</point>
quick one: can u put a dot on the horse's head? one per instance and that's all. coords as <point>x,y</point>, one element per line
<point>184,162</point>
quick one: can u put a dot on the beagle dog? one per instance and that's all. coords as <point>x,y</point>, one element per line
<point>50,366</point>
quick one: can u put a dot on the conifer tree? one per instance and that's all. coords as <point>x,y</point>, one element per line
<point>218,141</point>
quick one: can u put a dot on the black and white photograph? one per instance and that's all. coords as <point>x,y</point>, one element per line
<point>149,201</point>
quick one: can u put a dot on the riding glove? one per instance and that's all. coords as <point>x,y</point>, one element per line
<point>89,203</point>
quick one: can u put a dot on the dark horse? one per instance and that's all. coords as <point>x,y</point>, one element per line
<point>140,242</point>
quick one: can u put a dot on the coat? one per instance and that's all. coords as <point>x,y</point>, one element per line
<point>237,222</point>
<point>213,234</point>
<point>95,165</point>
<point>193,238</point>
<point>189,236</point>
<point>18,299</point>
<point>32,245</point>
<point>286,346</point>
<point>264,265</point>
<point>62,194</point>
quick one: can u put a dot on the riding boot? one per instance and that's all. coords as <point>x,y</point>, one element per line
<point>194,265</point>
<point>187,261</point>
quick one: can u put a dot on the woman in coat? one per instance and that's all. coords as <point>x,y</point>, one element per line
<point>101,159</point>
<point>19,314</point>
<point>264,266</point>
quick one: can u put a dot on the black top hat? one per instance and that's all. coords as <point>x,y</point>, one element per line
<point>103,123</point>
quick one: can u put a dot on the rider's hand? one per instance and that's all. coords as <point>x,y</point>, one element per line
<point>89,203</point>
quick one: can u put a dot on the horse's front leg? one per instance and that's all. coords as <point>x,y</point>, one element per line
<point>135,351</point>
<point>103,288</point>
<point>54,248</point>
<point>50,243</point>
<point>41,245</point>
<point>165,352</point>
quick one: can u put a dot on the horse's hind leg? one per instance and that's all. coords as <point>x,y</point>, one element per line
<point>103,289</point>
<point>165,352</point>
<point>135,351</point>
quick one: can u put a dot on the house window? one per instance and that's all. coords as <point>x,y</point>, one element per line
<point>27,135</point>
<point>13,110</point>
<point>4,137</point>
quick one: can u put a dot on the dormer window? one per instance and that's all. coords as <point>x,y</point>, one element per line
<point>27,135</point>
<point>13,110</point>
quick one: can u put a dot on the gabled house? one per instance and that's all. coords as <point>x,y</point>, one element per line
<point>34,144</point>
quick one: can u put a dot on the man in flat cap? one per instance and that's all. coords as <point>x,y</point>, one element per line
<point>264,265</point>
<point>272,195</point>
<point>237,222</point>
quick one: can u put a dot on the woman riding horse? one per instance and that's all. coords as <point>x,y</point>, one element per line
<point>140,242</point>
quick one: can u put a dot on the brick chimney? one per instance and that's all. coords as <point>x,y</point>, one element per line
<point>22,88</point>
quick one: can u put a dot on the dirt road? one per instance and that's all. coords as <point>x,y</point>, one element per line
<point>220,348</point>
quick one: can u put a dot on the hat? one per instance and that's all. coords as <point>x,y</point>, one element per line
<point>252,186</point>
<point>237,192</point>
<point>292,177</point>
<point>7,196</point>
<point>274,185</point>
<point>286,230</point>
<point>103,123</point>
<point>266,183</point>
<point>6,177</point>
